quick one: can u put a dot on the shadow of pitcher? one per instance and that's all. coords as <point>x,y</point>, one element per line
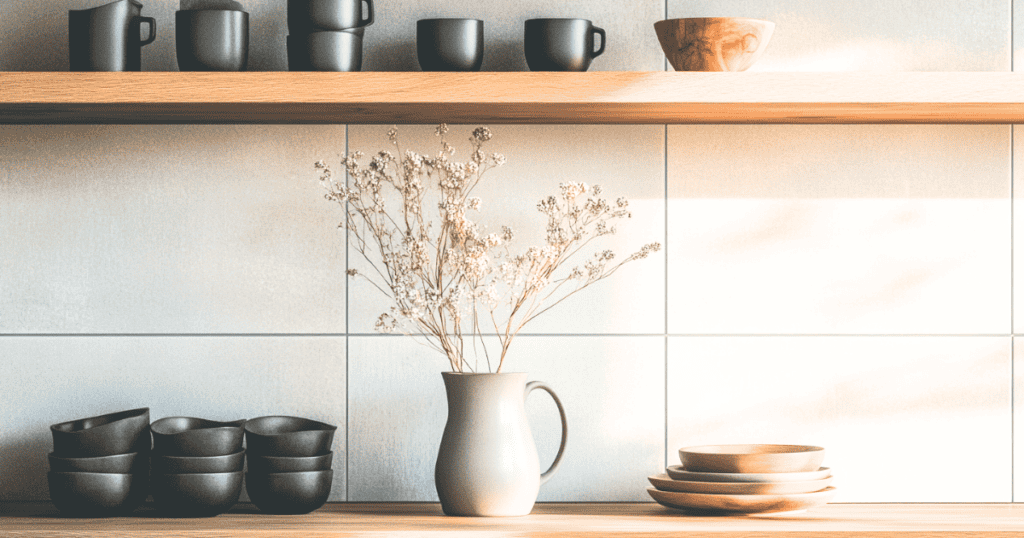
<point>109,37</point>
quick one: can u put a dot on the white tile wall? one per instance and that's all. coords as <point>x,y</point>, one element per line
<point>839,229</point>
<point>902,419</point>
<point>165,234</point>
<point>169,229</point>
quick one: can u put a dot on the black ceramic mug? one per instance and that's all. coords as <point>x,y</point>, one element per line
<point>450,44</point>
<point>307,16</point>
<point>107,38</point>
<point>561,44</point>
<point>326,51</point>
<point>212,40</point>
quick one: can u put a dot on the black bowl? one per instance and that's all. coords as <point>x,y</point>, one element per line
<point>289,493</point>
<point>232,463</point>
<point>188,436</point>
<point>280,464</point>
<point>196,494</point>
<point>115,433</point>
<point>118,464</point>
<point>96,494</point>
<point>288,436</point>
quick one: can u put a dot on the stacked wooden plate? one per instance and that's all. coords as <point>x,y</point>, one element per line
<point>745,479</point>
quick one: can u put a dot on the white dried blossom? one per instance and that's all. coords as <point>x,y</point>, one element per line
<point>407,217</point>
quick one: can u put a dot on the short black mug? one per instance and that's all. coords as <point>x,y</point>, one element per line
<point>212,40</point>
<point>308,16</point>
<point>108,37</point>
<point>561,44</point>
<point>328,50</point>
<point>450,44</point>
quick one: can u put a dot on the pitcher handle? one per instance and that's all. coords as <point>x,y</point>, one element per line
<point>532,385</point>
<point>152,29</point>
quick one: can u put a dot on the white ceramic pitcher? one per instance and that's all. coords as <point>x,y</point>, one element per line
<point>487,464</point>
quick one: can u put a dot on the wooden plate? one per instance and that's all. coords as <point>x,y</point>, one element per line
<point>745,504</point>
<point>678,473</point>
<point>665,483</point>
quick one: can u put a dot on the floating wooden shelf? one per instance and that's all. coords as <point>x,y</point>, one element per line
<point>547,520</point>
<point>493,97</point>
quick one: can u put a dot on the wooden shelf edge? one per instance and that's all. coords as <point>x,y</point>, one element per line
<point>580,98</point>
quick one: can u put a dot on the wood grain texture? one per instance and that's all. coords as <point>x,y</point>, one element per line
<point>585,520</point>
<point>493,97</point>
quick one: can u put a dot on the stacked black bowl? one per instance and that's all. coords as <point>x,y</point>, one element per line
<point>197,465</point>
<point>289,463</point>
<point>100,465</point>
<point>327,35</point>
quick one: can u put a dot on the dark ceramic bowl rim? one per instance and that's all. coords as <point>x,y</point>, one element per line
<point>292,474</point>
<point>54,456</point>
<point>204,425</point>
<point>306,425</point>
<point>79,427</point>
<point>290,458</point>
<point>173,458</point>
<point>165,475</point>
<point>132,474</point>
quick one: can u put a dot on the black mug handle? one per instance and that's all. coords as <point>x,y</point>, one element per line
<point>369,13</point>
<point>604,39</point>
<point>152,29</point>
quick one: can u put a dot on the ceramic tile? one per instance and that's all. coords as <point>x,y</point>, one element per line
<point>873,35</point>
<point>612,389</point>
<point>55,379</point>
<point>627,161</point>
<point>839,229</point>
<point>900,417</point>
<point>390,44</point>
<point>1018,418</point>
<point>169,229</point>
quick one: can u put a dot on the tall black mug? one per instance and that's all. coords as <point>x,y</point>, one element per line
<point>108,38</point>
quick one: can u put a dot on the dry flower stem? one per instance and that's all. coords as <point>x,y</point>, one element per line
<point>440,272</point>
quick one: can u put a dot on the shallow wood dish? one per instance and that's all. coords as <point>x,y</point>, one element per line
<point>746,504</point>
<point>713,43</point>
<point>678,473</point>
<point>665,483</point>
<point>752,458</point>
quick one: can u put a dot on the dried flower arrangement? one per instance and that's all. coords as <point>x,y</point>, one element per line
<point>448,278</point>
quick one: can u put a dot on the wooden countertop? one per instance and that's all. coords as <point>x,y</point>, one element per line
<point>547,520</point>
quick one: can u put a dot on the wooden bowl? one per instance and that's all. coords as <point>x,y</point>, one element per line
<point>752,458</point>
<point>713,44</point>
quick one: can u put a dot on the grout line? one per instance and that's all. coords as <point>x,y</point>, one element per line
<point>665,342</point>
<point>534,335</point>
<point>348,403</point>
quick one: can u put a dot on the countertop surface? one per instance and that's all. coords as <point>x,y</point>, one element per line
<point>554,519</point>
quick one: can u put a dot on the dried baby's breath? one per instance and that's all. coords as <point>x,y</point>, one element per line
<point>446,277</point>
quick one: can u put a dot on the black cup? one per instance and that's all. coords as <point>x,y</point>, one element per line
<point>212,40</point>
<point>561,44</point>
<point>307,16</point>
<point>326,51</point>
<point>450,44</point>
<point>107,38</point>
